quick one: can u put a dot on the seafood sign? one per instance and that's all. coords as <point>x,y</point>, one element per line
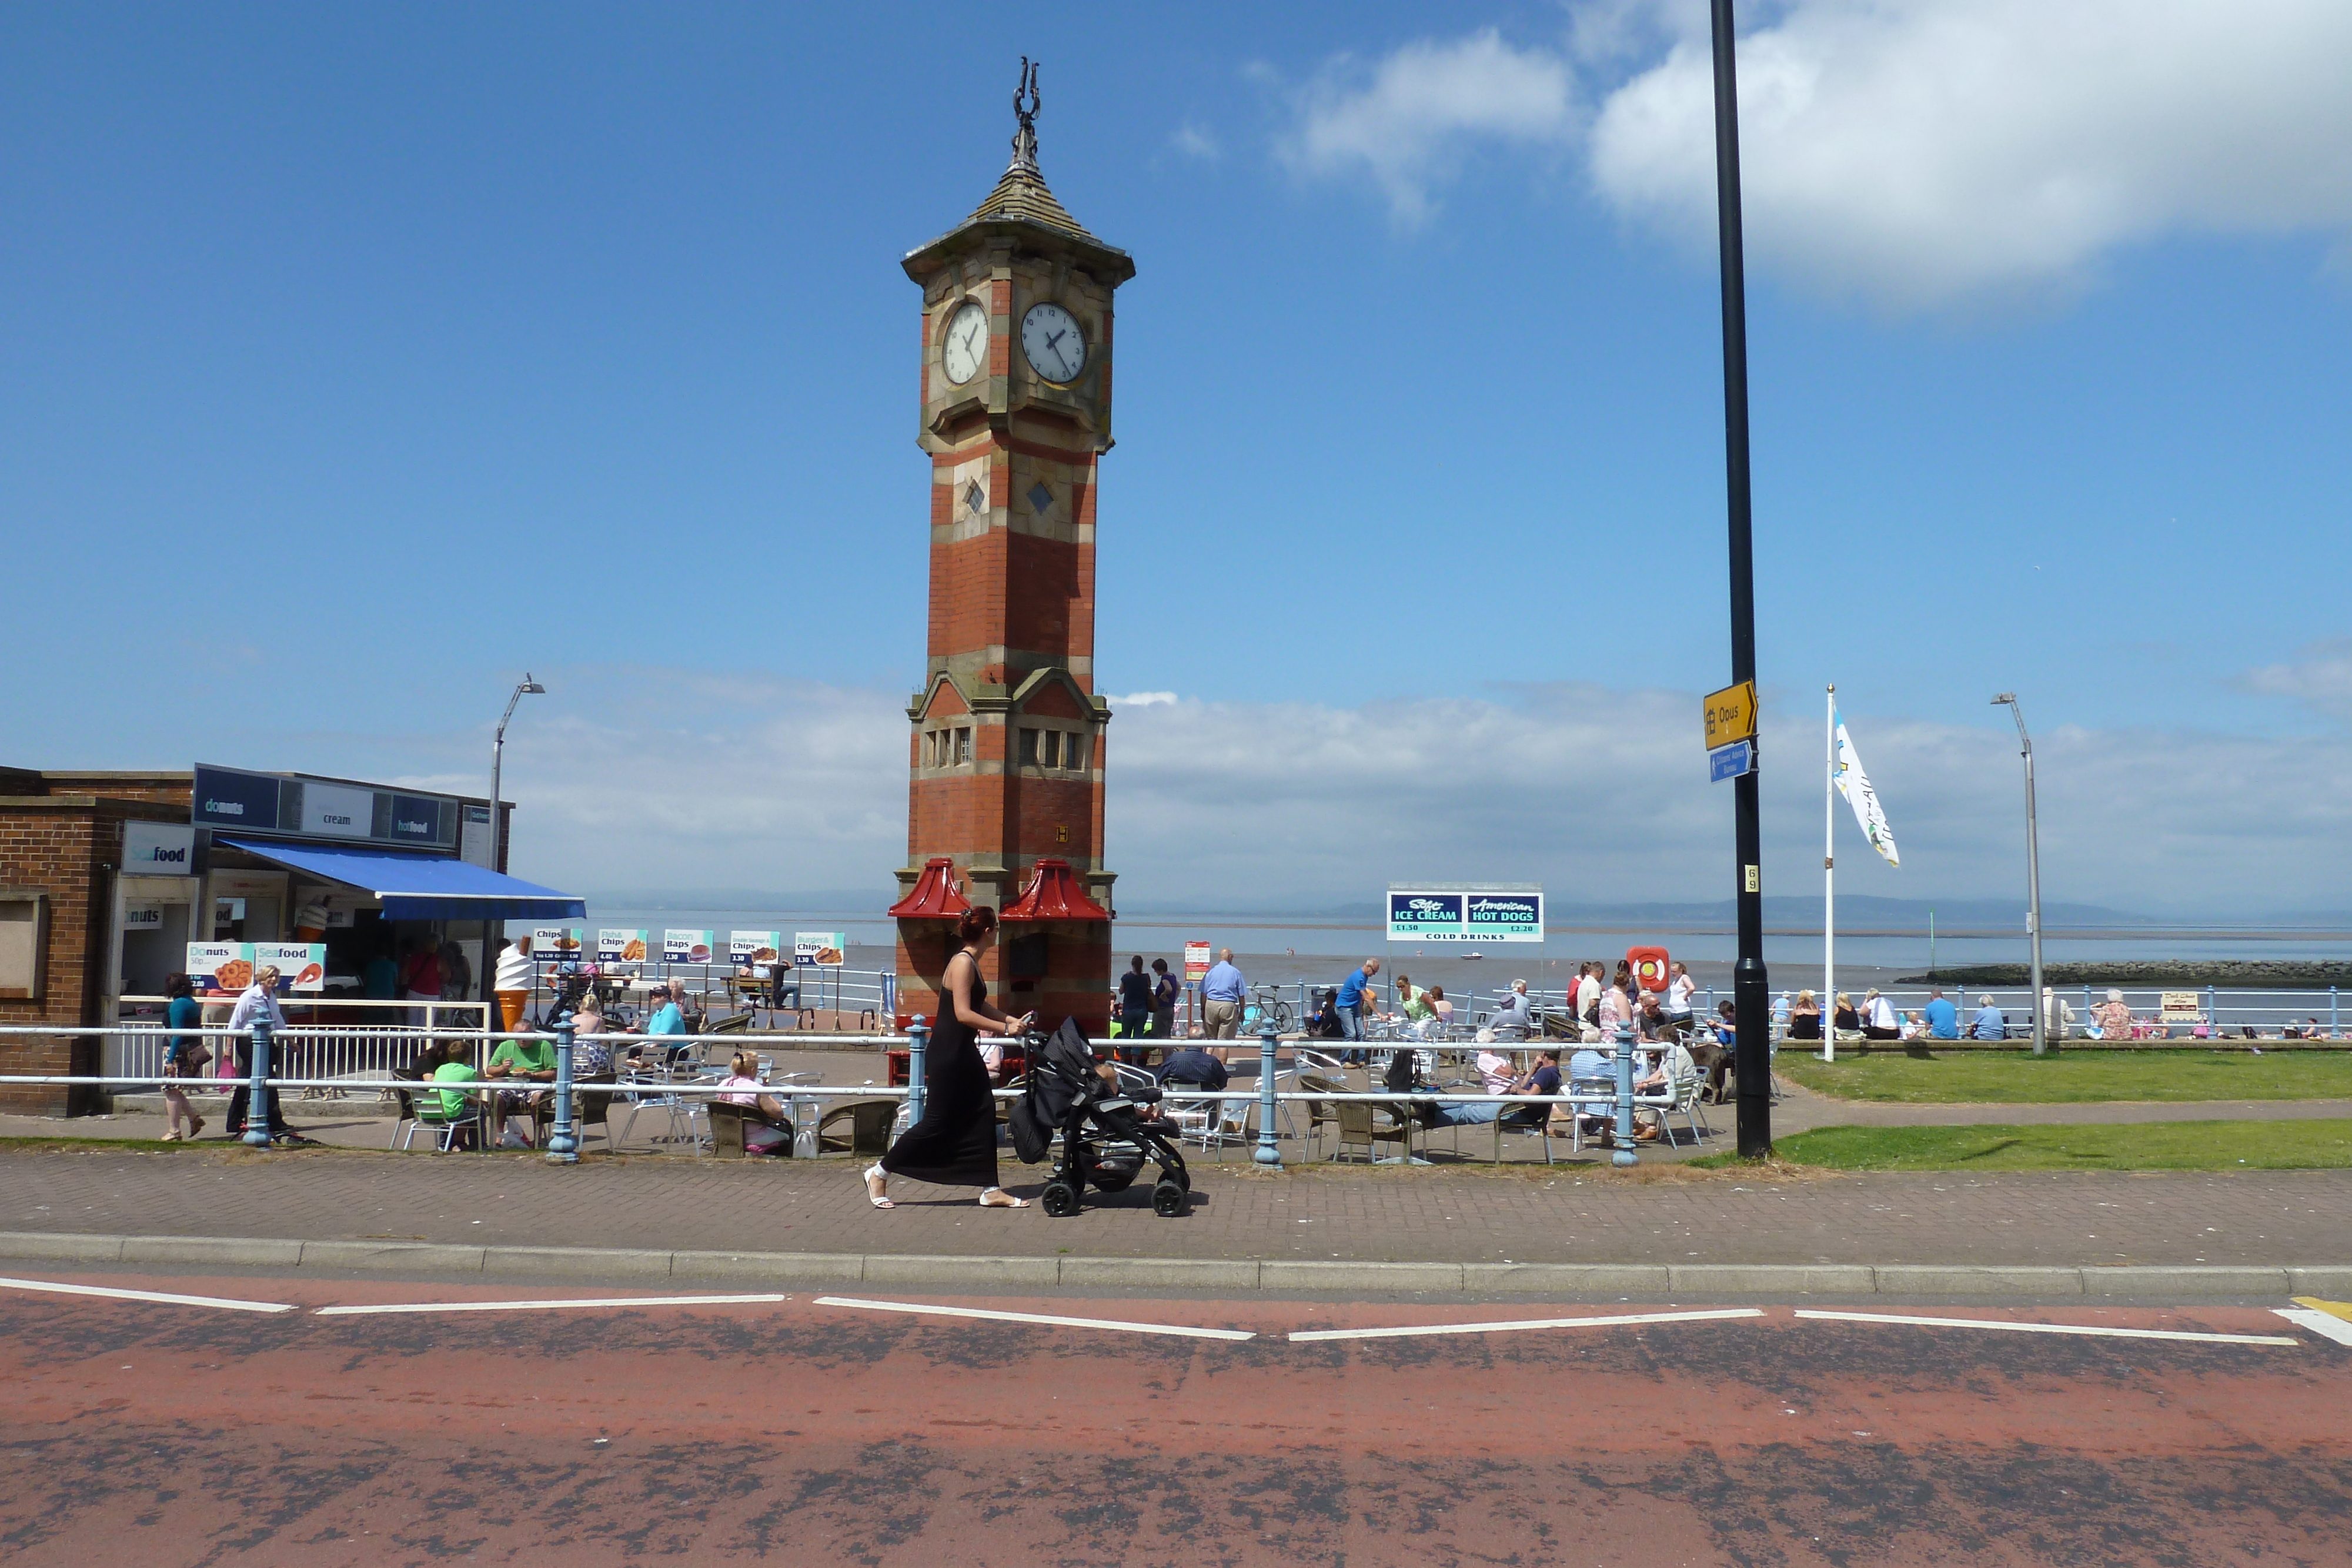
<point>618,947</point>
<point>225,968</point>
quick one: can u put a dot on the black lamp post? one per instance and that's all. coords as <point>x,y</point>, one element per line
<point>1751,999</point>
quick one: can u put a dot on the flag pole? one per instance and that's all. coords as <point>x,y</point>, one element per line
<point>1829,882</point>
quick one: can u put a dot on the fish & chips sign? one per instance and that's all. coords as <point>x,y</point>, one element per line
<point>1471,912</point>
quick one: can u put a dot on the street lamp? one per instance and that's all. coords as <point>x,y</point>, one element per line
<point>526,687</point>
<point>2032,872</point>
<point>1751,1002</point>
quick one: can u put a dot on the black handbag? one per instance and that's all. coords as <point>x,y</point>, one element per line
<point>1030,1140</point>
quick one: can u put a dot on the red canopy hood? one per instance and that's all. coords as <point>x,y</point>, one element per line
<point>1053,893</point>
<point>936,894</point>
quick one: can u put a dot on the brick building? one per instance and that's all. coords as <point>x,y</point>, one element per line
<point>1006,753</point>
<point>105,878</point>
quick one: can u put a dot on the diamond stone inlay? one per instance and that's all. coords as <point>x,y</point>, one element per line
<point>1040,500</point>
<point>975,498</point>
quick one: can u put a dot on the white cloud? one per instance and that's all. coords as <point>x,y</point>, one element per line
<point>1411,120</point>
<point>1141,699</point>
<point>1911,152</point>
<point>656,778</point>
<point>1195,142</point>
<point>1919,151</point>
<point>2319,676</point>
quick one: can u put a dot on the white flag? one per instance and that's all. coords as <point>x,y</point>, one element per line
<point>1854,785</point>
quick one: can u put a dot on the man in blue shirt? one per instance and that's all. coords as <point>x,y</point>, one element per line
<point>1355,991</point>
<point>1223,994</point>
<point>670,1016</point>
<point>1943,1018</point>
<point>1989,1023</point>
<point>1544,1080</point>
<point>1194,1067</point>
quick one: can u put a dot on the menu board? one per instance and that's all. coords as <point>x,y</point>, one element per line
<point>1196,961</point>
<point>755,950</point>
<point>828,948</point>
<point>616,947</point>
<point>227,969</point>
<point>686,946</point>
<point>558,944</point>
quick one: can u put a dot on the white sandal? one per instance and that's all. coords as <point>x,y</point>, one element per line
<point>1010,1201</point>
<point>875,1173</point>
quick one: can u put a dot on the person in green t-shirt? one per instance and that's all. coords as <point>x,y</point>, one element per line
<point>529,1060</point>
<point>456,1070</point>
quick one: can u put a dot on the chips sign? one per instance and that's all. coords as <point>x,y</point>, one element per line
<point>1469,912</point>
<point>687,946</point>
<point>746,948</point>
<point>617,946</point>
<point>555,944</point>
<point>1731,714</point>
<point>828,949</point>
<point>227,969</point>
<point>1196,961</point>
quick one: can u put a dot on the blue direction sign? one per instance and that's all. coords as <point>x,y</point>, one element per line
<point>1730,761</point>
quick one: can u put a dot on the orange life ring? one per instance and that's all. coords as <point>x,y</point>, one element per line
<point>1649,967</point>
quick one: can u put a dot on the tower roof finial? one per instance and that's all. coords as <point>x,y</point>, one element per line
<point>1025,106</point>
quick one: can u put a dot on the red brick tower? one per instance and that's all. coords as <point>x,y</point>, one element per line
<point>1005,805</point>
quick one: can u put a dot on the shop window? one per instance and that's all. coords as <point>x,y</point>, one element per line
<point>24,940</point>
<point>1028,748</point>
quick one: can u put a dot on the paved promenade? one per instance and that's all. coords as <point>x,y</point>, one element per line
<point>1463,1215</point>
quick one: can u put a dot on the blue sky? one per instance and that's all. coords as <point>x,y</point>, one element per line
<point>356,360</point>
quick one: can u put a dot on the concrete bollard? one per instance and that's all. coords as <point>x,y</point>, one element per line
<point>919,1038</point>
<point>1624,1155</point>
<point>563,1140</point>
<point>1269,1151</point>
<point>257,1093</point>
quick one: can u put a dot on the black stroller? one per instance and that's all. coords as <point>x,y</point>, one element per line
<point>1102,1141</point>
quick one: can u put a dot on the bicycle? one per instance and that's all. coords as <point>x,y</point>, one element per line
<point>1266,1007</point>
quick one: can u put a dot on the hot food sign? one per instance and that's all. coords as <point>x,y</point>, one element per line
<point>1467,912</point>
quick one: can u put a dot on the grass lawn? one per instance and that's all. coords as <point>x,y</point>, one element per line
<point>2073,1077</point>
<point>2131,1147</point>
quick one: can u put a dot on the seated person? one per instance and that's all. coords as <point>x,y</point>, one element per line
<point>670,1016</point>
<point>1878,1021</point>
<point>1193,1068</point>
<point>1651,1021</point>
<point>1590,1066</point>
<point>1544,1080</point>
<point>592,1048</point>
<point>1943,1018</point>
<point>1915,1025</point>
<point>520,1060</point>
<point>1439,1007</point>
<point>1805,1018</point>
<point>1988,1023</point>
<point>1514,1015</point>
<point>1495,1069</point>
<point>1727,1041</point>
<point>1672,1063</point>
<point>456,1069</point>
<point>2114,1017</point>
<point>744,1087</point>
<point>1842,1018</point>
<point>1413,1002</point>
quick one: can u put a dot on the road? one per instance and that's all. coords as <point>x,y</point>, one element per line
<point>798,1432</point>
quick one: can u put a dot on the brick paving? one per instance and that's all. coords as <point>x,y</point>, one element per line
<point>1450,1215</point>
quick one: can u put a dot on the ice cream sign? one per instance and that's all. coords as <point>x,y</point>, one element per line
<point>1499,911</point>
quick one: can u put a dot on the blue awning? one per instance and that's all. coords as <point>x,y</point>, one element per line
<point>422,887</point>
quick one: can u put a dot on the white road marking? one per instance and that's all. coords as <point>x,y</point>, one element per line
<point>2048,1328</point>
<point>2326,1326</point>
<point>1408,1330</point>
<point>542,1306</point>
<point>1179,1330</point>
<point>164,1296</point>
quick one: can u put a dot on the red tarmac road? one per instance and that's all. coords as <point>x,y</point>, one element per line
<point>149,1434</point>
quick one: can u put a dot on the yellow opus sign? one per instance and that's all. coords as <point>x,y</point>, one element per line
<point>1731,714</point>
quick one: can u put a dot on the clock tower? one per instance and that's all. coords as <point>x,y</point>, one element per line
<point>1004,801</point>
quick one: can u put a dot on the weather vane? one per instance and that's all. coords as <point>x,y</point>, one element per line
<point>1025,106</point>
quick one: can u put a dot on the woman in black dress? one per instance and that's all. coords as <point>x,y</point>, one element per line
<point>955,1143</point>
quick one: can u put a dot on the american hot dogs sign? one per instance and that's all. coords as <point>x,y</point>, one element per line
<point>1467,912</point>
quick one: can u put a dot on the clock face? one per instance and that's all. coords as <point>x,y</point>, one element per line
<point>1050,337</point>
<point>966,347</point>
